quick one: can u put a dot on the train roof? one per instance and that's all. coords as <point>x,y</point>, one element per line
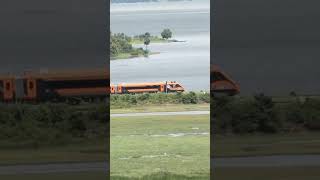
<point>76,74</point>
<point>147,84</point>
<point>6,76</point>
<point>142,84</point>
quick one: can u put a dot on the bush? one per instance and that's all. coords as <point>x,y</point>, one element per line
<point>50,124</point>
<point>259,114</point>
<point>127,100</point>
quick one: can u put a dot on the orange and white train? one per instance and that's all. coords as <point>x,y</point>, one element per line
<point>73,86</point>
<point>152,87</point>
<point>91,85</point>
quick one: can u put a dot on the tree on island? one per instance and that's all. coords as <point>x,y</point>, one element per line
<point>146,40</point>
<point>166,34</point>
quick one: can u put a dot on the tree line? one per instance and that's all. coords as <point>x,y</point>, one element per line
<point>260,114</point>
<point>128,100</point>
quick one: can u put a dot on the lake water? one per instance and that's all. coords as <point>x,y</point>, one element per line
<point>185,62</point>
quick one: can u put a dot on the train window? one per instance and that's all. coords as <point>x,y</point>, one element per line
<point>8,87</point>
<point>31,85</point>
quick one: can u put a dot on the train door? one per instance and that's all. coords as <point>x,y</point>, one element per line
<point>119,89</point>
<point>112,89</point>
<point>162,88</point>
<point>31,86</point>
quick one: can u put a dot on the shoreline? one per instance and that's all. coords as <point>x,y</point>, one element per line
<point>140,42</point>
<point>125,56</point>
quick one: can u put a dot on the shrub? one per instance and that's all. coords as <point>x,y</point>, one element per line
<point>50,124</point>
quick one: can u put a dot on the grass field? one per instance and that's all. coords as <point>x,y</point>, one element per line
<point>150,146</point>
<point>258,145</point>
<point>277,144</point>
<point>55,176</point>
<point>95,151</point>
<point>162,108</point>
<point>276,173</point>
<point>99,175</point>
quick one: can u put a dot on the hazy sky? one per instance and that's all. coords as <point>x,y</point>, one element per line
<point>161,6</point>
<point>52,34</point>
<point>270,46</point>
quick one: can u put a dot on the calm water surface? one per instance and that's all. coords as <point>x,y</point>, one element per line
<point>185,62</point>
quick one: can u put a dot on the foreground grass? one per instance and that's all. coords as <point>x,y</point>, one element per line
<point>86,152</point>
<point>141,146</point>
<point>163,176</point>
<point>276,144</point>
<point>99,175</point>
<point>162,108</point>
<point>55,176</point>
<point>272,173</point>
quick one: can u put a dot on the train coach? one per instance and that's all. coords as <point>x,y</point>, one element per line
<point>71,86</point>
<point>152,87</point>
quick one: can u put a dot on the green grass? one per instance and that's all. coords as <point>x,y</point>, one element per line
<point>162,108</point>
<point>273,173</point>
<point>276,144</point>
<point>99,175</point>
<point>55,176</point>
<point>141,146</point>
<point>72,153</point>
<point>163,176</point>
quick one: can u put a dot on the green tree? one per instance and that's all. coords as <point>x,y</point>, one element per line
<point>166,34</point>
<point>146,40</point>
<point>120,43</point>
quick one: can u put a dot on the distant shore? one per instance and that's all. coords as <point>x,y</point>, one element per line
<point>139,53</point>
<point>130,56</point>
<point>154,40</point>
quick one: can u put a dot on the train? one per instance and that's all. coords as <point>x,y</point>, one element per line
<point>222,83</point>
<point>57,86</point>
<point>73,86</point>
<point>152,87</point>
<point>92,85</point>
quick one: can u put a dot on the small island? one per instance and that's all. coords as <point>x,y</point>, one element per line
<point>121,45</point>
